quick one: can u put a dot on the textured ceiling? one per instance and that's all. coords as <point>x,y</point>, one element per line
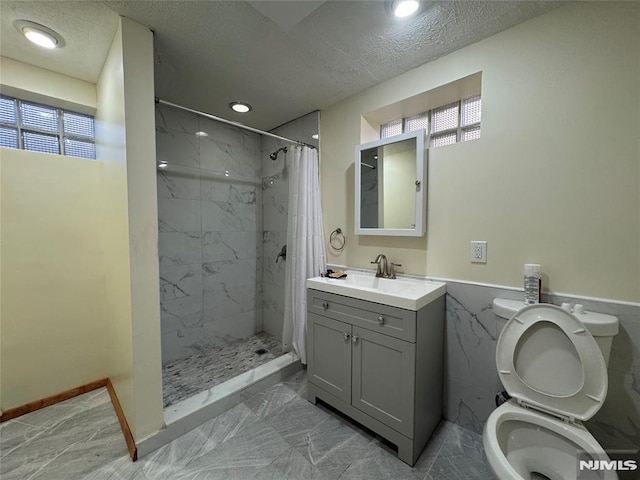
<point>209,53</point>
<point>87,28</point>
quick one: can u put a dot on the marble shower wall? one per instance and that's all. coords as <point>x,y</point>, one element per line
<point>471,380</point>
<point>275,192</point>
<point>210,239</point>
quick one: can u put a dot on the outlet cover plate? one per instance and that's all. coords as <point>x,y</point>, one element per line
<point>478,253</point>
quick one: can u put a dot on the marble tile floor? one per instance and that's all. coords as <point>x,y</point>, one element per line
<point>210,366</point>
<point>276,434</point>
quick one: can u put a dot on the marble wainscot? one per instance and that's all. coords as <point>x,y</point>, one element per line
<point>471,380</point>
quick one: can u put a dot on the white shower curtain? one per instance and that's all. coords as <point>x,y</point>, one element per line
<point>305,244</point>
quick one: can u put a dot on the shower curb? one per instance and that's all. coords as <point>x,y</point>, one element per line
<point>189,414</point>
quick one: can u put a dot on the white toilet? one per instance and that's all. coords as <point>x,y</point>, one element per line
<point>554,365</point>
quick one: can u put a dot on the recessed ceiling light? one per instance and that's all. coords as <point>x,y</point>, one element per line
<point>315,136</point>
<point>202,134</point>
<point>240,107</point>
<point>404,8</point>
<point>39,34</point>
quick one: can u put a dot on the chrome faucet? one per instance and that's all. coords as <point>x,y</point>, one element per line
<point>385,269</point>
<point>383,266</point>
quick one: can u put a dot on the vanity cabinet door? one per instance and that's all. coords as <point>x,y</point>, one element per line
<point>384,379</point>
<point>329,355</point>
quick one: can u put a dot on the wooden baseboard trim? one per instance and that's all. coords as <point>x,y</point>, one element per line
<point>74,392</point>
<point>53,399</point>
<point>126,431</point>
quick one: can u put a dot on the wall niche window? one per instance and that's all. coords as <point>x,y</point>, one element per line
<point>445,125</point>
<point>42,128</point>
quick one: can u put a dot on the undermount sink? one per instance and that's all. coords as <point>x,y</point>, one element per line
<point>399,292</point>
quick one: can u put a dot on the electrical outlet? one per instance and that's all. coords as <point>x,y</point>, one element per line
<point>478,251</point>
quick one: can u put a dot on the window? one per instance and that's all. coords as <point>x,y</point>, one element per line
<point>391,129</point>
<point>42,128</point>
<point>456,122</point>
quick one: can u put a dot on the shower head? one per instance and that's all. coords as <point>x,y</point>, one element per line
<point>274,155</point>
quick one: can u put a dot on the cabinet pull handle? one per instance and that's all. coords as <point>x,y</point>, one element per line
<point>346,336</point>
<point>381,320</point>
<point>325,305</point>
<point>354,339</point>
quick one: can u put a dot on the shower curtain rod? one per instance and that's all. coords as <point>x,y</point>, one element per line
<point>230,122</point>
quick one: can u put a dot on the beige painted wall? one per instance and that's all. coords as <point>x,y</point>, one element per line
<point>54,316</point>
<point>53,312</point>
<point>111,150</point>
<point>41,85</point>
<point>554,178</point>
<point>126,128</point>
<point>143,227</point>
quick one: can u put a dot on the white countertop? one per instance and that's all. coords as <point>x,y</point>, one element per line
<point>402,292</point>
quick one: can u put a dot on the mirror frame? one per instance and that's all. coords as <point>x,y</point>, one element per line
<point>421,193</point>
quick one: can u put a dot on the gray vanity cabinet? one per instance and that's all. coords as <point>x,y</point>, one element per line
<point>380,365</point>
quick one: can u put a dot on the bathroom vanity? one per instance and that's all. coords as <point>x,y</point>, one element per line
<point>379,362</point>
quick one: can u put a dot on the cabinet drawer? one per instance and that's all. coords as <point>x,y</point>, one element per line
<point>392,321</point>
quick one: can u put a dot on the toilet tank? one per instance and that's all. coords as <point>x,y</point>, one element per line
<point>601,326</point>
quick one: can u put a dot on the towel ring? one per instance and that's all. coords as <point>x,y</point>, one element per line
<point>337,239</point>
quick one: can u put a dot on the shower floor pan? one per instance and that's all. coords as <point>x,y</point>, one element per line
<point>215,364</point>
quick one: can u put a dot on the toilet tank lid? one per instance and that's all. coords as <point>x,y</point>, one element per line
<point>598,324</point>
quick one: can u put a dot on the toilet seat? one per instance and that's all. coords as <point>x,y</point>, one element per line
<point>547,360</point>
<point>574,436</point>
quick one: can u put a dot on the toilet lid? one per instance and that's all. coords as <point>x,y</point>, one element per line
<point>547,359</point>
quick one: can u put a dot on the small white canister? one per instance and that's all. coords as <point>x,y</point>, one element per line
<point>532,283</point>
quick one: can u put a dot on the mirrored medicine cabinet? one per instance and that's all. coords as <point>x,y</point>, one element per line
<point>390,186</point>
